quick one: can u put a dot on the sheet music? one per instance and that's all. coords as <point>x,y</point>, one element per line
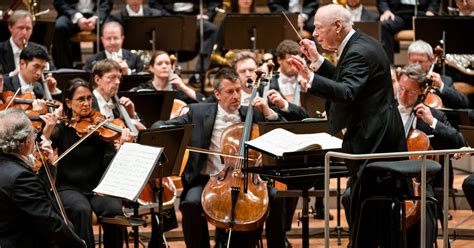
<point>279,141</point>
<point>129,171</point>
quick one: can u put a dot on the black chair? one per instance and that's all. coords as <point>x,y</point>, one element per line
<point>398,172</point>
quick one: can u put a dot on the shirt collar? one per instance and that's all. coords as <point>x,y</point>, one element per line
<point>101,100</point>
<point>355,13</point>
<point>25,86</point>
<point>14,47</point>
<point>133,13</point>
<point>109,55</point>
<point>344,42</point>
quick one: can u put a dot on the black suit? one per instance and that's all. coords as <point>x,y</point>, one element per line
<point>294,113</point>
<point>195,228</point>
<point>368,15</point>
<point>121,16</point>
<point>451,97</point>
<point>7,58</point>
<point>64,51</point>
<point>360,99</point>
<point>13,84</point>
<point>29,217</point>
<point>309,9</point>
<point>134,62</point>
<point>403,19</point>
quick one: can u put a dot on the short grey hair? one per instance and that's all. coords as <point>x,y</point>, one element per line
<point>414,72</point>
<point>15,129</point>
<point>422,47</point>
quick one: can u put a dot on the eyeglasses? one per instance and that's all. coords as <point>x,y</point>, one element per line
<point>407,91</point>
<point>113,78</point>
<point>83,99</point>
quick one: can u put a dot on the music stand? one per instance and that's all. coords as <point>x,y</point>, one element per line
<point>371,28</point>
<point>168,33</point>
<point>457,40</point>
<point>133,80</point>
<point>64,76</point>
<point>300,176</point>
<point>152,106</point>
<point>257,31</point>
<point>174,140</point>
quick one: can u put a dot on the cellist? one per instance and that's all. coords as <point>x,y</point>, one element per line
<point>29,216</point>
<point>432,122</point>
<point>209,120</point>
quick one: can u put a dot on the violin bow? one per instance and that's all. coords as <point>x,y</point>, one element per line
<point>13,98</point>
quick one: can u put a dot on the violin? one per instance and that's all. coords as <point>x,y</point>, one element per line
<point>23,101</point>
<point>109,130</point>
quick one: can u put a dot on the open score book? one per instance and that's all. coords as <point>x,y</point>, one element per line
<point>280,141</point>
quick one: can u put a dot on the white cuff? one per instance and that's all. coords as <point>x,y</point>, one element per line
<point>316,64</point>
<point>433,125</point>
<point>310,81</point>
<point>272,117</point>
<point>442,87</point>
<point>75,18</point>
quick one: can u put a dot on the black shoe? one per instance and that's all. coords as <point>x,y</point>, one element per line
<point>450,217</point>
<point>287,243</point>
<point>319,215</point>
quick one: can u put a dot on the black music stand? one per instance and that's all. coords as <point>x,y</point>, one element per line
<point>301,176</point>
<point>371,28</point>
<point>130,81</point>
<point>64,76</point>
<point>168,33</point>
<point>174,140</point>
<point>257,31</point>
<point>457,28</point>
<point>152,106</point>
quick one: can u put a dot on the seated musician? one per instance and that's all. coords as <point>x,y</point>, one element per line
<point>165,79</point>
<point>80,171</point>
<point>133,8</point>
<point>33,60</point>
<point>20,25</point>
<point>29,217</point>
<point>420,52</point>
<point>209,120</point>
<point>112,37</point>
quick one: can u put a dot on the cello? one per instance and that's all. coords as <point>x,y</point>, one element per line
<point>228,202</point>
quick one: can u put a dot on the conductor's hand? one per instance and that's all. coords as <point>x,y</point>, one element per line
<point>299,64</point>
<point>424,113</point>
<point>308,49</point>
<point>276,99</point>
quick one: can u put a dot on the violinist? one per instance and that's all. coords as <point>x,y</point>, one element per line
<point>20,25</point>
<point>29,216</point>
<point>420,52</point>
<point>80,171</point>
<point>164,79</point>
<point>33,61</point>
<point>412,79</point>
<point>209,120</point>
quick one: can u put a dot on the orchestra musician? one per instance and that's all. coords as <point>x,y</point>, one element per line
<point>29,217</point>
<point>360,103</point>
<point>420,52</point>
<point>305,8</point>
<point>80,171</point>
<point>133,8</point>
<point>73,17</point>
<point>112,37</point>
<point>209,120</point>
<point>33,61</point>
<point>164,78</point>
<point>20,25</point>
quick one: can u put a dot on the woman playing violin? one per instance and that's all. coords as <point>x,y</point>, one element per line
<point>80,170</point>
<point>164,78</point>
<point>29,217</point>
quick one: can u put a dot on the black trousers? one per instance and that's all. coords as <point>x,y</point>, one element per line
<point>468,188</point>
<point>79,209</point>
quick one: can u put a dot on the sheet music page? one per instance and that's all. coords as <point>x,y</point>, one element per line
<point>279,141</point>
<point>129,171</point>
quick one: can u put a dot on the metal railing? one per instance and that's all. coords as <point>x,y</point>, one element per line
<point>423,154</point>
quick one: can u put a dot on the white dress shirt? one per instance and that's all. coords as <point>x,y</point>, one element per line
<point>223,120</point>
<point>16,53</point>
<point>356,14</point>
<point>105,107</point>
<point>133,13</point>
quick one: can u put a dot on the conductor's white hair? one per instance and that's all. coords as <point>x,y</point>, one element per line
<point>334,12</point>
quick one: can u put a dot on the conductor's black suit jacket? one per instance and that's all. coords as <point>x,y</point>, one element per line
<point>360,99</point>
